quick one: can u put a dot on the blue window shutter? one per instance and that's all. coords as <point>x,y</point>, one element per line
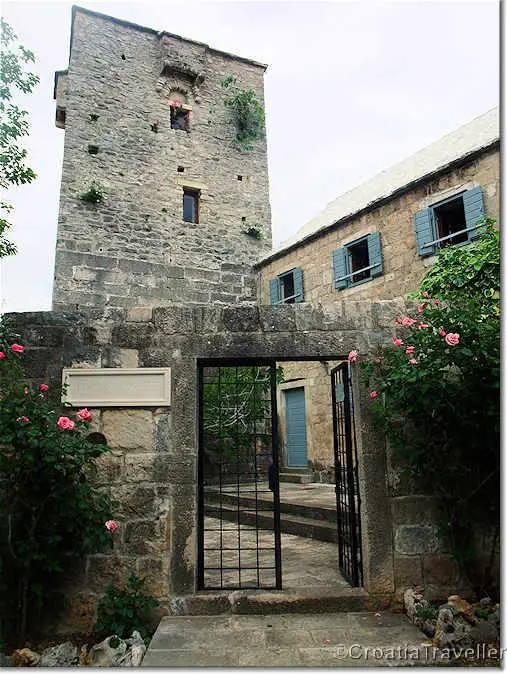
<point>425,231</point>
<point>375,254</point>
<point>473,202</point>
<point>298,284</point>
<point>274,291</point>
<point>340,268</point>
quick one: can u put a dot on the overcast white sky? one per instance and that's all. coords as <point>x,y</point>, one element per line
<point>351,88</point>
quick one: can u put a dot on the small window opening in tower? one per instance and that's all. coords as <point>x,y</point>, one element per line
<point>190,205</point>
<point>240,178</point>
<point>123,57</point>
<point>181,169</point>
<point>180,117</point>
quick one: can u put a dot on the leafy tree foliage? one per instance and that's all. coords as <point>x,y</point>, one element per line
<point>436,393</point>
<point>13,123</point>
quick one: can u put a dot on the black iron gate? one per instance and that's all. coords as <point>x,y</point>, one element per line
<point>238,491</point>
<point>346,474</point>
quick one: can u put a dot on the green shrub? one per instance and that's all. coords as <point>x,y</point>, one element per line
<point>50,514</point>
<point>435,392</point>
<point>124,610</point>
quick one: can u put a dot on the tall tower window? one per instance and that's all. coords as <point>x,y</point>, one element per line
<point>190,205</point>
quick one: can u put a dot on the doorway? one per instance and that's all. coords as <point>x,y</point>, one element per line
<point>295,428</point>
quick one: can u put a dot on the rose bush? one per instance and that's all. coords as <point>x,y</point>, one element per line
<point>50,513</point>
<point>437,396</point>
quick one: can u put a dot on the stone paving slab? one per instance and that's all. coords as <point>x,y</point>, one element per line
<point>289,640</point>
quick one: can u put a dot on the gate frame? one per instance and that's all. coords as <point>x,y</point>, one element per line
<point>351,476</point>
<point>237,362</point>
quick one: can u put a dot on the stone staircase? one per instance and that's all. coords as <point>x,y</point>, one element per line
<point>308,521</point>
<point>296,475</point>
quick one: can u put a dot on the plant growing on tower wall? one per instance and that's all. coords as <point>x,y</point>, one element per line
<point>248,113</point>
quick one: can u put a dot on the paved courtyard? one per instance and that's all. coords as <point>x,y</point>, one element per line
<point>305,562</point>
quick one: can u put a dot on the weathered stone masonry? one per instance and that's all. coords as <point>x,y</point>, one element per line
<point>152,468</point>
<point>134,249</point>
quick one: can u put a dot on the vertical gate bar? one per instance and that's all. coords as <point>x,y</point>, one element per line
<point>350,477</point>
<point>336,461</point>
<point>237,474</point>
<point>220,464</point>
<point>256,485</point>
<point>276,490</point>
<point>200,476</point>
<point>357,501</point>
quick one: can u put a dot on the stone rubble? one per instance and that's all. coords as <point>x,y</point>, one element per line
<point>457,624</point>
<point>111,652</point>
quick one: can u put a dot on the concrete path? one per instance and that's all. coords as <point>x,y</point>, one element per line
<point>289,640</point>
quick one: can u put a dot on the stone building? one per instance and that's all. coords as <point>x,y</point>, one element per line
<point>376,242</point>
<point>179,192</point>
<point>157,285</point>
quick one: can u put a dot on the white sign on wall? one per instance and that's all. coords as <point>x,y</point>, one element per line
<point>118,387</point>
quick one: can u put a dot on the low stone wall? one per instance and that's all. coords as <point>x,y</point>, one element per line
<point>152,468</point>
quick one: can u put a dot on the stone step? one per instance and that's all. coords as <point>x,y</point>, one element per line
<point>306,527</point>
<point>317,599</point>
<point>332,639</point>
<point>265,502</point>
<point>297,478</point>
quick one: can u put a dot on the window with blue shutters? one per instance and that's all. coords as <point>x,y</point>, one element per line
<point>287,288</point>
<point>449,222</point>
<point>358,261</point>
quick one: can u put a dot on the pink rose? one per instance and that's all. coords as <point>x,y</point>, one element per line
<point>25,419</point>
<point>84,415</point>
<point>397,342</point>
<point>436,302</point>
<point>353,356</point>
<point>423,326</point>
<point>412,361</point>
<point>420,308</point>
<point>425,294</point>
<point>44,387</point>
<point>442,333</point>
<point>25,390</point>
<point>452,338</point>
<point>373,394</point>
<point>65,424</point>
<point>399,321</point>
<point>111,525</point>
<point>410,349</point>
<point>377,360</point>
<point>408,321</point>
<point>17,348</point>
<point>2,355</point>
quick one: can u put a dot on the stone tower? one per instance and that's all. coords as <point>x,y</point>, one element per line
<point>146,127</point>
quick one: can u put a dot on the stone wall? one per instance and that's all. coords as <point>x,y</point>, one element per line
<point>152,467</point>
<point>134,249</point>
<point>394,219</point>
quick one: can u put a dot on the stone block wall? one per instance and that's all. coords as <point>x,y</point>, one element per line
<point>152,468</point>
<point>394,219</point>
<point>134,249</point>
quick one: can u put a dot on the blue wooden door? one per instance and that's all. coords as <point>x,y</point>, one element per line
<point>296,427</point>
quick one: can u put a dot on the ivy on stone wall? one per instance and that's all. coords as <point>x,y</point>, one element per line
<point>248,113</point>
